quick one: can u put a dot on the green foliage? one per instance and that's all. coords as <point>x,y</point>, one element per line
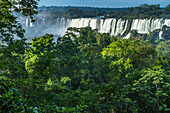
<point>163,48</point>
<point>139,53</point>
<point>9,26</point>
<point>12,50</point>
<point>11,101</point>
<point>154,88</point>
<point>40,59</point>
<point>12,59</point>
<point>84,71</point>
<point>142,11</point>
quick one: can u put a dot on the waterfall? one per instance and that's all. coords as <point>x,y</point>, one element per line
<point>43,22</point>
<point>26,22</point>
<point>62,23</point>
<point>156,24</point>
<point>144,26</point>
<point>106,27</point>
<point>160,34</point>
<point>127,36</point>
<point>112,26</point>
<point>167,22</point>
<point>31,23</point>
<point>93,23</point>
<point>141,25</point>
<point>121,27</point>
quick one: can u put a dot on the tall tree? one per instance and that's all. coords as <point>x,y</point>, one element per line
<point>12,49</point>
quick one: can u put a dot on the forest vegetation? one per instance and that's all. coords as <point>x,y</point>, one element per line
<point>83,72</point>
<point>139,12</point>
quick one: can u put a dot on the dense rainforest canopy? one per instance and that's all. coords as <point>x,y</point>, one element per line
<point>142,11</point>
<point>83,72</point>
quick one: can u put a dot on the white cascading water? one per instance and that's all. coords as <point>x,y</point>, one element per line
<point>93,23</point>
<point>101,21</point>
<point>112,26</point>
<point>26,22</point>
<point>62,23</point>
<point>43,22</point>
<point>144,26</point>
<point>121,27</point>
<point>160,34</point>
<point>156,24</point>
<point>31,23</point>
<point>106,26</point>
<point>127,36</point>
<point>141,25</point>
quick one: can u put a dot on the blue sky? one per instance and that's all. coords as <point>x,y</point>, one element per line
<point>102,3</point>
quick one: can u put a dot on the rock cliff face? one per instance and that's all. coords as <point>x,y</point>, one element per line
<point>112,26</point>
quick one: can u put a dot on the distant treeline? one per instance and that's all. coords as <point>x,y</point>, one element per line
<point>64,8</point>
<point>142,11</point>
<point>75,12</point>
